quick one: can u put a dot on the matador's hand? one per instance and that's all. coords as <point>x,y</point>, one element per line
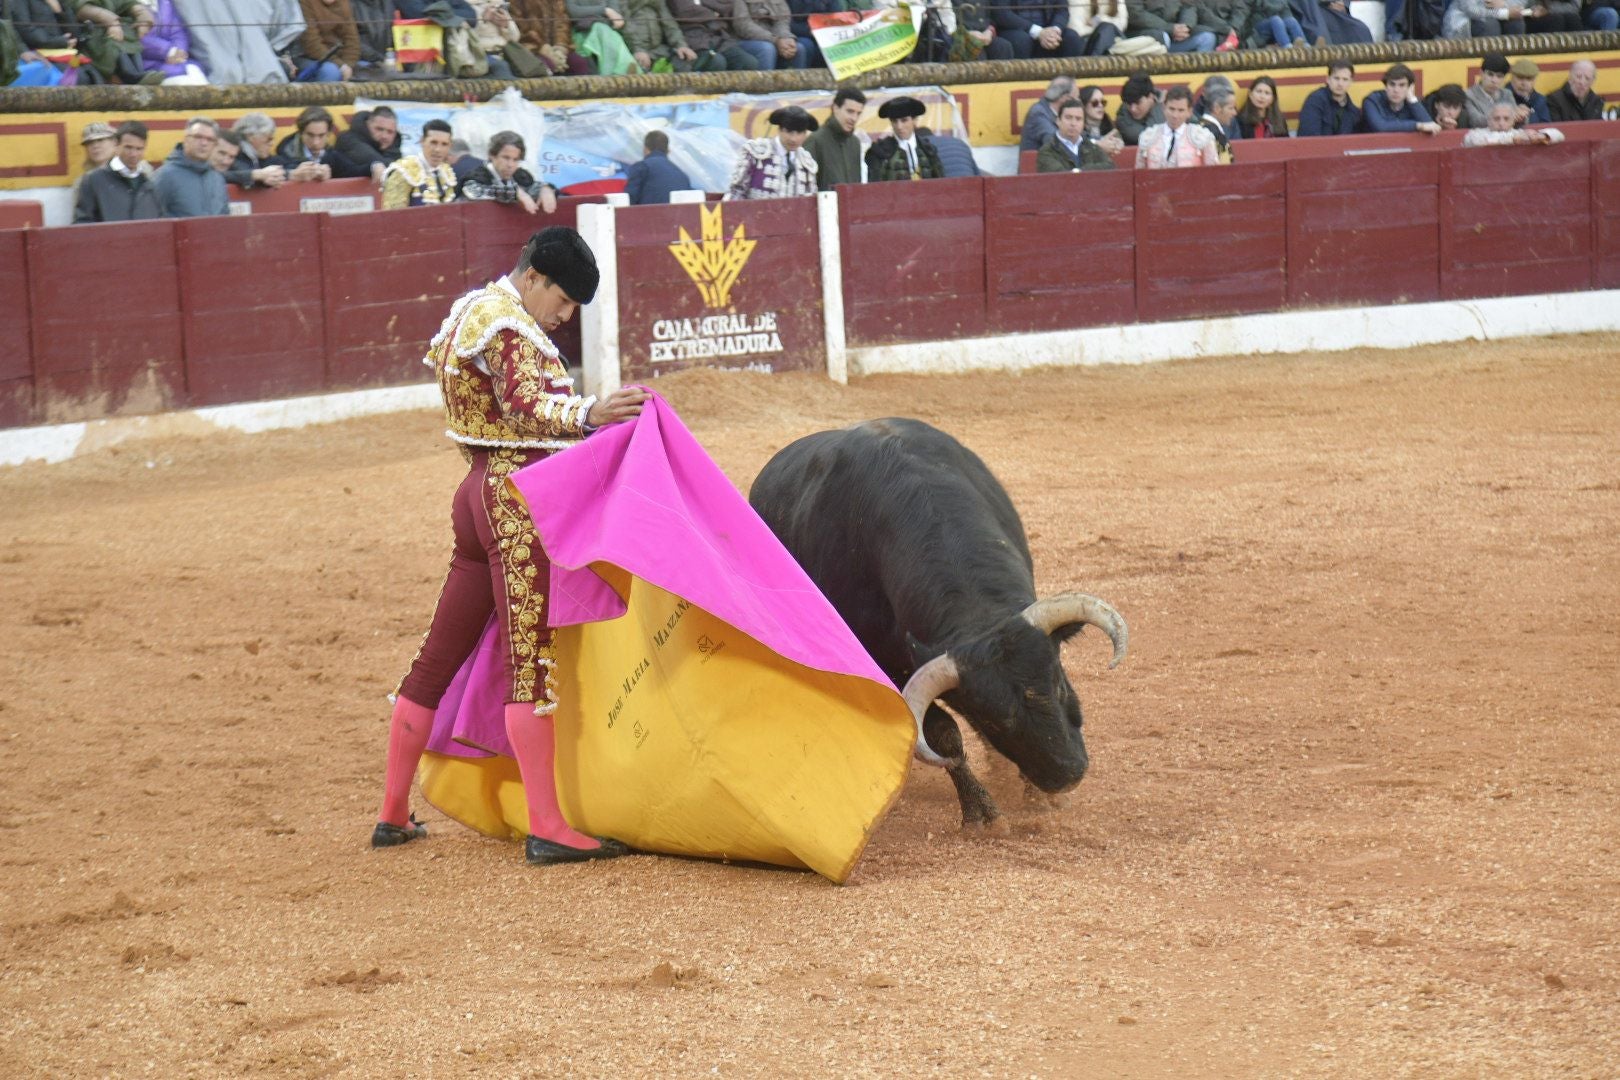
<point>623,404</point>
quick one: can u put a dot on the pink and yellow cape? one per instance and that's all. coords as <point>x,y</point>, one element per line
<point>712,702</point>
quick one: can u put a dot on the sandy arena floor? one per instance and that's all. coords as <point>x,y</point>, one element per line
<point>1353,809</point>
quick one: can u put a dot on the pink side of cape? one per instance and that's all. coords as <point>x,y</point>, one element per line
<point>645,497</point>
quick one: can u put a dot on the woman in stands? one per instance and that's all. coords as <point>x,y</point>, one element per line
<point>1261,116</point>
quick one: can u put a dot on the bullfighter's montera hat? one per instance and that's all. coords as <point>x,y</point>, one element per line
<point>901,107</point>
<point>562,255</point>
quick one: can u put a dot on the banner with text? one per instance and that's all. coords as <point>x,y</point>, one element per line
<point>855,42</point>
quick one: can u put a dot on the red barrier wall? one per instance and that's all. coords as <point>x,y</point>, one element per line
<point>1606,215</point>
<point>1060,252</point>
<point>1210,241</point>
<point>246,343</point>
<point>1515,220</point>
<point>17,358</point>
<point>1364,230</point>
<point>289,198</point>
<point>105,301</point>
<point>21,214</point>
<point>772,316</point>
<point>913,267</point>
<point>390,278</point>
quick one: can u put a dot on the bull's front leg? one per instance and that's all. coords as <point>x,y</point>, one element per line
<point>940,729</point>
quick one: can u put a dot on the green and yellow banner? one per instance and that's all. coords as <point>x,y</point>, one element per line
<point>855,42</point>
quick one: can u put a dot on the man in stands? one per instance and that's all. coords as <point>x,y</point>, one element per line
<point>1328,109</point>
<point>1575,100</point>
<point>834,146</point>
<point>1042,119</point>
<point>226,151</point>
<point>329,48</point>
<point>1220,109</point>
<point>1176,143</point>
<point>1036,30</point>
<point>1500,131</point>
<point>120,190</point>
<point>1139,108</point>
<point>424,179</point>
<point>1489,90</point>
<point>255,166</point>
<point>651,34</point>
<point>1449,107</point>
<point>503,178</point>
<point>305,154</point>
<point>903,155</point>
<point>187,184</point>
<point>650,180</point>
<point>1522,82</point>
<point>764,31</point>
<point>1392,108</point>
<point>369,146</point>
<point>1067,149</point>
<point>1175,24</point>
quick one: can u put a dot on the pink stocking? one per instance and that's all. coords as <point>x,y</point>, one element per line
<point>408,732</point>
<point>534,744</point>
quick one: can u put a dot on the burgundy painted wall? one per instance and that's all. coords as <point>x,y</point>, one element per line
<point>1516,219</point>
<point>1606,214</point>
<point>1364,230</point>
<point>17,358</point>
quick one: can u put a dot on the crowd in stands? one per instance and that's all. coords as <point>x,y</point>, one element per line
<point>75,42</point>
<point>1069,129</point>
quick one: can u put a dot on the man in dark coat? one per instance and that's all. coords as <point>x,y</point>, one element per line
<point>834,145</point>
<point>1575,100</point>
<point>1036,29</point>
<point>120,190</point>
<point>651,179</point>
<point>1329,109</point>
<point>904,155</point>
<point>188,185</point>
<point>1067,149</point>
<point>369,146</point>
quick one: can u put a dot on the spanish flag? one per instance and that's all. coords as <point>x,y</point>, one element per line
<point>418,41</point>
<point>712,701</point>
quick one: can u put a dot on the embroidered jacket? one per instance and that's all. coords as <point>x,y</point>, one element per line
<point>1189,145</point>
<point>410,181</point>
<point>503,382</point>
<point>765,170</point>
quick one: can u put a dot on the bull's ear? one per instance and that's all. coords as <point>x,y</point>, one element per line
<point>1068,630</point>
<point>921,652</point>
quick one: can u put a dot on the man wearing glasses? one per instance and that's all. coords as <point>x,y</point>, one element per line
<point>188,185</point>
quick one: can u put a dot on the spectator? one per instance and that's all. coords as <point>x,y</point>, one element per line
<point>1329,22</point>
<point>1272,22</point>
<point>247,47</point>
<point>187,185</point>
<point>651,34</point>
<point>1229,19</point>
<point>1392,108</point>
<point>1041,119</point>
<point>493,29</point>
<point>424,179</point>
<point>120,190</point>
<point>306,154</point>
<point>20,65</point>
<point>1328,109</point>
<point>1177,144</point>
<point>545,29</point>
<point>1072,147</point>
<point>1600,15</point>
<point>369,146</point>
<point>764,31</point>
<point>1036,29</point>
<point>256,166</point>
<point>1449,107</point>
<point>835,146</point>
<point>596,35</point>
<point>1489,90</point>
<point>226,151</point>
<point>954,154</point>
<point>165,45</point>
<point>1220,110</point>
<point>45,24</point>
<point>1261,116</point>
<point>100,143</point>
<point>903,155</point>
<point>1139,108</point>
<point>779,167</point>
<point>706,26</point>
<point>329,48</point>
<point>1201,103</point>
<point>1574,100</point>
<point>1172,23</point>
<point>374,22</point>
<point>1532,106</point>
<point>650,180</point>
<point>1499,130</point>
<point>975,38</point>
<point>809,53</point>
<point>462,161</point>
<point>1557,17</point>
<point>1482,18</point>
<point>112,44</point>
<point>503,178</point>
<point>1098,29</point>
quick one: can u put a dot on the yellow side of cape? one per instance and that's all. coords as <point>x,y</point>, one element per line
<point>677,733</point>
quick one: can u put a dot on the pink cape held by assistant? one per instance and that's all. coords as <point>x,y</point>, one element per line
<point>711,701</point>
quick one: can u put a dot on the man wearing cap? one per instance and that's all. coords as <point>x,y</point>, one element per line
<point>120,190</point>
<point>1575,100</point>
<point>904,155</point>
<point>1489,90</point>
<point>1532,107</point>
<point>509,402</point>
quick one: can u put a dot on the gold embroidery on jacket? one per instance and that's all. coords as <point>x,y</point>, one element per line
<point>526,630</point>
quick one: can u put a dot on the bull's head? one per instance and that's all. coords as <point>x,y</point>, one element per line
<point>1010,686</point>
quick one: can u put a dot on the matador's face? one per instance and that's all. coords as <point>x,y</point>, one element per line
<point>544,299</point>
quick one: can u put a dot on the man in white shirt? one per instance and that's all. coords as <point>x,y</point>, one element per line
<point>1176,144</point>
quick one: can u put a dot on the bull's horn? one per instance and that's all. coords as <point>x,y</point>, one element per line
<point>934,678</point>
<point>1055,611</point>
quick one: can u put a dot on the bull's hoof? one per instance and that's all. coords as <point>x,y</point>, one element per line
<point>995,827</point>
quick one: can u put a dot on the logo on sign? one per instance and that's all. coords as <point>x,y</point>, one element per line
<point>715,264</point>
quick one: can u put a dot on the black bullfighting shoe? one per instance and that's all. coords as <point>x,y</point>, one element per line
<point>386,835</point>
<point>539,851</point>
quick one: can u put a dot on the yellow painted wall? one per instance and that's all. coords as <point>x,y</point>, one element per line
<point>42,149</point>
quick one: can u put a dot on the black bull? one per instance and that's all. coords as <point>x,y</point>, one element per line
<point>921,551</point>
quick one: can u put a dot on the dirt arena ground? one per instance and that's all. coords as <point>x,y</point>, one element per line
<point>1353,808</point>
